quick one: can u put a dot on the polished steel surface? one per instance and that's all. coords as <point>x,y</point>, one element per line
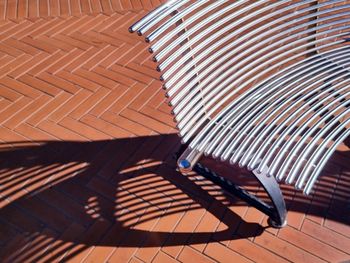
<point>256,83</point>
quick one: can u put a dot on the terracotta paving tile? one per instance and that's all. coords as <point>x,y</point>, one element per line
<point>189,253</point>
<point>20,87</point>
<point>64,60</point>
<point>96,231</point>
<point>312,245</point>
<point>285,249</point>
<point>65,108</point>
<point>107,102</point>
<point>145,94</point>
<point>39,45</point>
<point>186,225</point>
<point>108,128</point>
<point>58,248</point>
<point>327,236</point>
<point>87,145</point>
<point>162,257</point>
<point>254,252</point>
<point>126,124</point>
<point>32,133</point>
<point>119,78</point>
<point>97,78</point>
<point>145,121</point>
<point>9,94</point>
<point>223,254</point>
<point>14,108</point>
<point>84,83</point>
<point>59,132</point>
<point>14,64</point>
<point>58,82</point>
<point>83,130</point>
<point>48,108</point>
<point>40,85</point>
<point>152,244</point>
<point>27,111</point>
<point>21,46</point>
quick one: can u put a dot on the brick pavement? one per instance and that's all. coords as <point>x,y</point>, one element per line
<point>86,161</point>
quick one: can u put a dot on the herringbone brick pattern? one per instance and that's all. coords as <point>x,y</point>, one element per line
<point>87,172</point>
<point>14,9</point>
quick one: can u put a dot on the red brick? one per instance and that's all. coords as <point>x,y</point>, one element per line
<point>126,124</point>
<point>64,61</point>
<point>97,78</point>
<point>27,111</point>
<point>13,65</point>
<point>162,229</point>
<point>46,63</point>
<point>32,133</point>
<point>96,60</point>
<point>80,61</point>
<point>108,101</point>
<point>64,243</point>
<point>59,132</point>
<point>127,97</point>
<point>20,87</point>
<point>285,249</point>
<point>9,94</point>
<point>13,52</point>
<point>21,46</point>
<point>145,121</point>
<point>36,247</point>
<point>48,108</point>
<point>94,233</point>
<point>58,82</point>
<point>39,45</point>
<point>253,251</point>
<point>89,103</point>
<point>56,43</point>
<point>51,216</point>
<point>83,130</point>
<point>161,257</point>
<point>82,82</point>
<point>145,95</point>
<point>327,236</point>
<point>131,74</point>
<point>173,246</point>
<point>189,254</point>
<point>114,76</point>
<point>14,108</point>
<point>69,106</point>
<point>223,254</point>
<point>24,68</point>
<point>40,85</point>
<point>108,128</point>
<point>312,245</point>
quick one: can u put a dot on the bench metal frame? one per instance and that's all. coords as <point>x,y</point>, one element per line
<point>218,61</point>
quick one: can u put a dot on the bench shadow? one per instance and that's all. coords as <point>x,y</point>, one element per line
<point>60,198</point>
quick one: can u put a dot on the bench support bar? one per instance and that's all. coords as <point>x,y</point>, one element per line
<point>277,211</point>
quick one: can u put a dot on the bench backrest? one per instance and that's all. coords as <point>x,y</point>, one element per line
<point>263,84</point>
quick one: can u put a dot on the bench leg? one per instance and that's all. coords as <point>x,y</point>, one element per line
<point>277,211</point>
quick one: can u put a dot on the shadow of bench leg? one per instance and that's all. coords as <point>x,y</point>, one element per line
<point>277,211</point>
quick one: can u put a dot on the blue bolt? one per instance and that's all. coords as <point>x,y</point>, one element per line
<point>184,164</point>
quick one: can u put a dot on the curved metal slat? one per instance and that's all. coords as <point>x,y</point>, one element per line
<point>189,91</point>
<point>268,96</point>
<point>254,93</point>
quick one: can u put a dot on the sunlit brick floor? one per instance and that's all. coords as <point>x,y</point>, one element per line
<point>86,160</point>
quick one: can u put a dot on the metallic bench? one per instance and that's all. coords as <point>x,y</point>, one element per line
<point>260,84</point>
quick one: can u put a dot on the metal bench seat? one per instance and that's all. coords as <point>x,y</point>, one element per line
<point>261,84</point>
